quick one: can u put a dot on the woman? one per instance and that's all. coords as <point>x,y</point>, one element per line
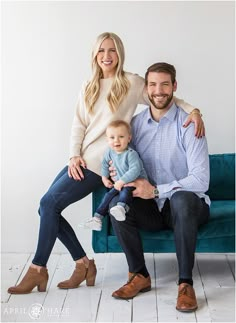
<point>111,94</point>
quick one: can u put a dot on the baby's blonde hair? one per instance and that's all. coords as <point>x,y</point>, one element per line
<point>120,85</point>
<point>118,123</point>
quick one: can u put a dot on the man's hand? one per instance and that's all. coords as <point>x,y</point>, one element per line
<point>118,185</point>
<point>112,171</point>
<point>108,183</point>
<point>143,189</point>
<point>195,117</point>
<point>74,169</point>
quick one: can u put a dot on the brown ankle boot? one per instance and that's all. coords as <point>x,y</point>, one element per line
<point>31,279</point>
<point>79,275</point>
<point>91,273</point>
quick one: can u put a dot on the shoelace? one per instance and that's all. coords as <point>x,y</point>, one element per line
<point>131,278</point>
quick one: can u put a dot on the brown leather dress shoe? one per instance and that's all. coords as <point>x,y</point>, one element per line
<point>136,283</point>
<point>186,301</point>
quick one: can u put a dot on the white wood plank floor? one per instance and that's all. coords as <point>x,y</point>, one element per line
<point>214,282</point>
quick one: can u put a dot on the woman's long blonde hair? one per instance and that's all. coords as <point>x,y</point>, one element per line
<point>120,85</point>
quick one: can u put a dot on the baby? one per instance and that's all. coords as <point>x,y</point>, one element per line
<point>128,166</point>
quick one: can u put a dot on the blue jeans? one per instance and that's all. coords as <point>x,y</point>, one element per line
<point>63,192</point>
<point>183,213</point>
<point>125,199</point>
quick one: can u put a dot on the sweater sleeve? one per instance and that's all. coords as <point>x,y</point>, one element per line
<point>184,105</point>
<point>135,167</point>
<point>79,125</point>
<point>140,88</point>
<point>143,99</point>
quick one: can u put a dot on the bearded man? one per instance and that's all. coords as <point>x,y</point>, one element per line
<point>173,197</point>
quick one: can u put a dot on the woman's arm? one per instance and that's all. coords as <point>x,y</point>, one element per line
<point>79,125</point>
<point>74,168</point>
<point>77,136</point>
<point>195,116</point>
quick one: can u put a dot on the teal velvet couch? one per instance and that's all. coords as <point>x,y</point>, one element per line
<point>218,235</point>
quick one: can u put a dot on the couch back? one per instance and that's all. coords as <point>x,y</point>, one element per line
<point>222,177</point>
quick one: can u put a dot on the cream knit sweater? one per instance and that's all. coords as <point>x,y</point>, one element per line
<point>88,130</point>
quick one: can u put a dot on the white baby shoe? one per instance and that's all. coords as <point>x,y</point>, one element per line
<point>94,224</point>
<point>118,212</point>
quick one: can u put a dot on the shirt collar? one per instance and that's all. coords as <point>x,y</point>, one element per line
<point>170,114</point>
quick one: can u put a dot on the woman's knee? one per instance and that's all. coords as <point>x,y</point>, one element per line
<point>47,202</point>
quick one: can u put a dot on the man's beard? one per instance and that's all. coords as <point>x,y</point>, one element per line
<point>161,106</point>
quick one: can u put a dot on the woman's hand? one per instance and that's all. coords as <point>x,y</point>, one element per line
<point>74,168</point>
<point>196,117</point>
<point>143,189</point>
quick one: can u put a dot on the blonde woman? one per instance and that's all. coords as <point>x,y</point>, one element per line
<point>110,94</point>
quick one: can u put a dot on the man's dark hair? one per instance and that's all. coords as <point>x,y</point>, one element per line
<point>162,68</point>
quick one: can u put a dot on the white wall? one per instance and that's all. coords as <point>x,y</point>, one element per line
<point>46,50</point>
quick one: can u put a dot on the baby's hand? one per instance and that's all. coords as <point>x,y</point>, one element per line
<point>107,182</point>
<point>118,185</point>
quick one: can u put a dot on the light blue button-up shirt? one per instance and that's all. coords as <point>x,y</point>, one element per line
<point>174,158</point>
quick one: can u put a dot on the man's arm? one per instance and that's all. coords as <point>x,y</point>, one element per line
<point>105,163</point>
<point>197,179</point>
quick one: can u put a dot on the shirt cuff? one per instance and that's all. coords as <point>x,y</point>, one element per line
<point>166,189</point>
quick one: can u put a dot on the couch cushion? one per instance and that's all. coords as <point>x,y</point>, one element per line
<point>222,177</point>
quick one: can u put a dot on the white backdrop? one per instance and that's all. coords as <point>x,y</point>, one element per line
<point>46,49</point>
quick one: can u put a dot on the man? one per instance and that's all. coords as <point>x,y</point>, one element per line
<point>177,165</point>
